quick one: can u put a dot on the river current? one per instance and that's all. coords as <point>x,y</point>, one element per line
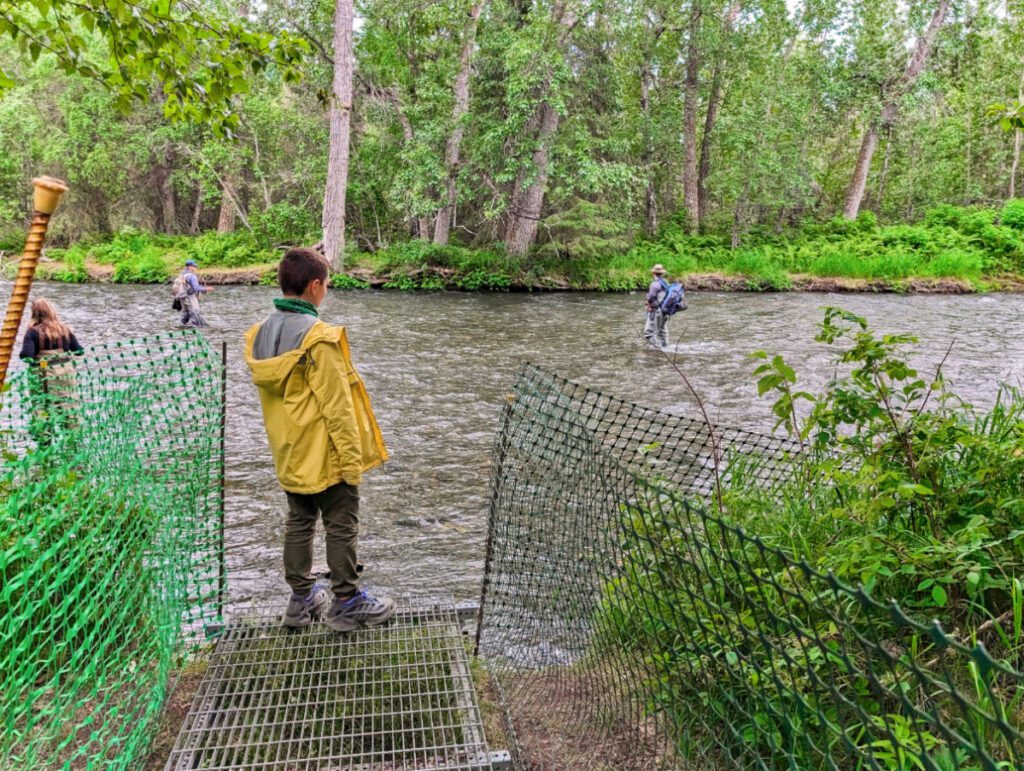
<point>438,367</point>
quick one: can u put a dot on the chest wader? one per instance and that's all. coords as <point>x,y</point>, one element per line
<point>54,394</point>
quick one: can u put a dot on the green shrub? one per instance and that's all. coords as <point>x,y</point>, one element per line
<point>128,244</point>
<point>212,248</point>
<point>1012,215</point>
<point>404,283</point>
<point>906,236</point>
<point>245,255</point>
<point>148,268</point>
<point>73,270</point>
<point>840,263</point>
<point>585,230</point>
<point>866,221</point>
<point>419,254</point>
<point>903,490</point>
<point>945,214</point>
<point>644,255</point>
<point>345,281</point>
<point>12,240</point>
<point>284,224</point>
<point>482,279</point>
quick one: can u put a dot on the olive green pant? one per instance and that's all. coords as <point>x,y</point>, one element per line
<point>339,507</point>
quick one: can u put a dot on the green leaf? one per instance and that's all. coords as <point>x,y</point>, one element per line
<point>973,579</point>
<point>939,595</point>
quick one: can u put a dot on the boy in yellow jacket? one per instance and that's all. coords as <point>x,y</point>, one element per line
<point>323,436</point>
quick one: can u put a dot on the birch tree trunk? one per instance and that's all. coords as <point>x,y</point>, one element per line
<point>883,177</point>
<point>859,181</point>
<point>168,207</point>
<point>711,117</point>
<point>197,212</point>
<point>527,205</point>
<point>419,226</point>
<point>228,212</point>
<point>446,214</point>
<point>1015,165</point>
<point>528,199</point>
<point>647,159</point>
<point>691,193</point>
<point>1017,141</point>
<point>340,124</point>
<point>229,207</point>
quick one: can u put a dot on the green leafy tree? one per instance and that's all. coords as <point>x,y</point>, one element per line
<point>199,59</point>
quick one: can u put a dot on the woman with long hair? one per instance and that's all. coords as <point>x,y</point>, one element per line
<point>47,335</point>
<point>47,347</point>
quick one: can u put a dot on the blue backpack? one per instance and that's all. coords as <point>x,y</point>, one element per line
<point>673,300</point>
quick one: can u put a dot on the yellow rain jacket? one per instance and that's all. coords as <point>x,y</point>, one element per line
<point>316,411</point>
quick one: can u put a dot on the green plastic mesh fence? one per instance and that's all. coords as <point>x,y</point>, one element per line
<point>626,626</point>
<point>110,545</point>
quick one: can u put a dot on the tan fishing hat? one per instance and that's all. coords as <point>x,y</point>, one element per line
<point>658,270</point>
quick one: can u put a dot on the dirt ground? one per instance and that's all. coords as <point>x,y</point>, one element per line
<point>572,719</point>
<point>173,717</point>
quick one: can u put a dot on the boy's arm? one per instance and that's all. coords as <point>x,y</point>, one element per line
<point>329,381</point>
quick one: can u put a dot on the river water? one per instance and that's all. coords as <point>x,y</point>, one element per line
<point>438,367</point>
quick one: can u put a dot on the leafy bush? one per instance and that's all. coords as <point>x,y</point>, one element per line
<point>127,244</point>
<point>1012,215</point>
<point>226,250</point>
<point>73,266</point>
<point>902,489</point>
<point>211,247</point>
<point>483,279</point>
<point>345,281</point>
<point>284,224</point>
<point>585,230</point>
<point>148,268</point>
<point>11,240</point>
<point>919,489</point>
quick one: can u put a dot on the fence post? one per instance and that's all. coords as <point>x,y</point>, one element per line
<point>222,573</point>
<point>499,463</point>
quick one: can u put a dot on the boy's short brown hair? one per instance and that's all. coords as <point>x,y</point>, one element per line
<point>298,267</point>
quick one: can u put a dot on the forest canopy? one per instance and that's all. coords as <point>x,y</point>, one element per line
<point>577,127</point>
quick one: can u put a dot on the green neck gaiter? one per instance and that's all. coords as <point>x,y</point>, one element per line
<point>295,305</point>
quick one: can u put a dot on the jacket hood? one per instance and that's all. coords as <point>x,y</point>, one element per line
<point>272,374</point>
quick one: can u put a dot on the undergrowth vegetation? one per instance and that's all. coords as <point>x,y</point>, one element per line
<point>795,620</point>
<point>585,250</point>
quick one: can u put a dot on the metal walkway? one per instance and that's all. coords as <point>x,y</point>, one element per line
<point>396,697</point>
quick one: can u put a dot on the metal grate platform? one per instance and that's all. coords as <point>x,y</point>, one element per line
<point>395,697</point>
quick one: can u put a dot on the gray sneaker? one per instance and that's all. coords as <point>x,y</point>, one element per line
<point>303,611</point>
<point>360,610</point>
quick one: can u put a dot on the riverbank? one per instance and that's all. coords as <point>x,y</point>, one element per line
<point>429,278</point>
<point>954,250</point>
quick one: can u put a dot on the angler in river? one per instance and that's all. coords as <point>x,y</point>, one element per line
<point>186,290</point>
<point>663,301</point>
